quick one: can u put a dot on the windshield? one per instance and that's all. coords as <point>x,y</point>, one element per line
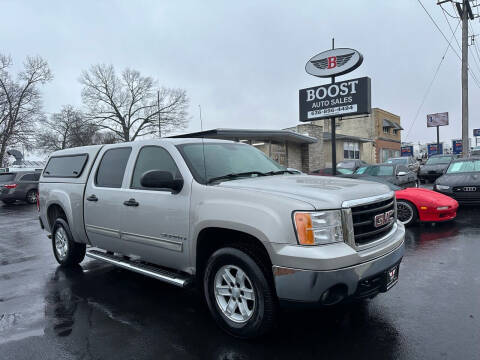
<point>403,161</point>
<point>439,160</point>
<point>464,166</point>
<point>380,170</point>
<point>223,159</point>
<point>6,177</point>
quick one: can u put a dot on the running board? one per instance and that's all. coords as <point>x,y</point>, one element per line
<point>144,269</point>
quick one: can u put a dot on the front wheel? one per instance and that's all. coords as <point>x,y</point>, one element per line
<point>406,212</point>
<point>239,294</point>
<point>66,251</point>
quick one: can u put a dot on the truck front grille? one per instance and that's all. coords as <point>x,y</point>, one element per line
<point>365,228</point>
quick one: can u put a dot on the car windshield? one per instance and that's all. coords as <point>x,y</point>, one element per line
<point>401,161</point>
<point>464,166</point>
<point>214,160</point>
<point>439,160</point>
<point>6,177</point>
<point>379,170</point>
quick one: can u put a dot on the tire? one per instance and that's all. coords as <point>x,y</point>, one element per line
<point>31,197</point>
<point>67,252</point>
<point>8,202</point>
<point>258,308</point>
<point>407,213</point>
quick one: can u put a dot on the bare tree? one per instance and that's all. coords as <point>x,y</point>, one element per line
<point>128,106</point>
<point>20,101</point>
<point>66,129</point>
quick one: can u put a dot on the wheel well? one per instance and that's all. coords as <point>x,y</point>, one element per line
<point>54,212</point>
<point>211,239</point>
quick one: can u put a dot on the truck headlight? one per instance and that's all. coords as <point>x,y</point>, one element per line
<point>442,187</point>
<point>318,227</point>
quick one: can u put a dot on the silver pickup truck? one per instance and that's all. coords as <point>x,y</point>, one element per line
<point>223,216</point>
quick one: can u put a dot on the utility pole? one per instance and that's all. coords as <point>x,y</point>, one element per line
<point>465,12</point>
<point>158,108</point>
<point>464,17</point>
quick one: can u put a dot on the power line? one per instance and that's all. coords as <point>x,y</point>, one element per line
<point>449,43</point>
<point>438,28</point>
<point>431,83</point>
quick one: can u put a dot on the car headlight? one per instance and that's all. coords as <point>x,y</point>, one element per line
<point>442,187</point>
<point>318,227</point>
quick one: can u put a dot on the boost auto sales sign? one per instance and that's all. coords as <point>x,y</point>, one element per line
<point>344,98</point>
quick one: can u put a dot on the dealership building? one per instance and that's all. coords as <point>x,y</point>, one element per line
<point>373,138</point>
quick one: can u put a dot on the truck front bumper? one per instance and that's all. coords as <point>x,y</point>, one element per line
<point>332,286</point>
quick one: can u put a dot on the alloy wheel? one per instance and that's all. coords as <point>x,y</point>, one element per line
<point>234,293</point>
<point>61,243</point>
<point>404,212</point>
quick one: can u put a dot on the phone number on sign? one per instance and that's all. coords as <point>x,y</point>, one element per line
<point>332,111</point>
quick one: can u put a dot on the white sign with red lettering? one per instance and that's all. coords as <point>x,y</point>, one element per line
<point>334,62</point>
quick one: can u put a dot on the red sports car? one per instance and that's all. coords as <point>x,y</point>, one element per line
<point>417,204</point>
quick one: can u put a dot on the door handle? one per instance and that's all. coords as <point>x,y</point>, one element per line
<point>92,197</point>
<point>131,202</point>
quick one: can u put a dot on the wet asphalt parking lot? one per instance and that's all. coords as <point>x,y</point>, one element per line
<point>97,311</point>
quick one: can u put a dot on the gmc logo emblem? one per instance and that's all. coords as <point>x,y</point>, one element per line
<point>383,219</point>
<point>469,188</point>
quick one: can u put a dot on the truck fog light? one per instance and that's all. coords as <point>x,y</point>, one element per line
<point>318,227</point>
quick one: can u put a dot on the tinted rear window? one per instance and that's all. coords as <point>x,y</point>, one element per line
<point>65,166</point>
<point>30,177</point>
<point>6,177</point>
<point>112,168</point>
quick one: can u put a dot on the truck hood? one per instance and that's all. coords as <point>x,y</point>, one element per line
<point>322,192</point>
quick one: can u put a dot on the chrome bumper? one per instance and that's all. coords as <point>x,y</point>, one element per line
<point>309,286</point>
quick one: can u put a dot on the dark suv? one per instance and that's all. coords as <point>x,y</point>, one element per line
<point>19,185</point>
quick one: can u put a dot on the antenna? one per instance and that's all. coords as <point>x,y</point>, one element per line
<point>201,123</point>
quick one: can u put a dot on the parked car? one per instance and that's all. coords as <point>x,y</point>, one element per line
<point>351,165</point>
<point>461,181</point>
<point>475,151</point>
<point>421,205</point>
<point>224,216</point>
<point>396,174</point>
<point>434,167</point>
<point>329,172</point>
<point>408,161</point>
<point>21,185</point>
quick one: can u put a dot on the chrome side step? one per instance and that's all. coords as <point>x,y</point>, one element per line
<point>144,269</point>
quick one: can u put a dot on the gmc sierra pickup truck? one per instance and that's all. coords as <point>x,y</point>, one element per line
<point>221,215</point>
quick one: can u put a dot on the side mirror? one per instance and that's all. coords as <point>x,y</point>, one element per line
<point>402,173</point>
<point>157,179</point>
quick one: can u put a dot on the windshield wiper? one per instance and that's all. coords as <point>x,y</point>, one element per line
<point>279,172</point>
<point>235,175</point>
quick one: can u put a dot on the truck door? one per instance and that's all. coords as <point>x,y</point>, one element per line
<point>155,221</point>
<point>103,198</point>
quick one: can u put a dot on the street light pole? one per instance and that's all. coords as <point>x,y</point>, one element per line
<point>333,130</point>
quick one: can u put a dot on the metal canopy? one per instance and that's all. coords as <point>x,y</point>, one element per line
<point>280,136</point>
<point>391,124</point>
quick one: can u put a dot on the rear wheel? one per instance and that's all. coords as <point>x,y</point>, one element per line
<point>31,197</point>
<point>406,212</point>
<point>66,251</point>
<point>239,294</point>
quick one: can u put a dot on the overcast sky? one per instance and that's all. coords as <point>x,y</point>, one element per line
<point>244,61</point>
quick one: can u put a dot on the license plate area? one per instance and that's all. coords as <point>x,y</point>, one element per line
<point>391,277</point>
